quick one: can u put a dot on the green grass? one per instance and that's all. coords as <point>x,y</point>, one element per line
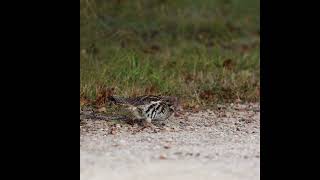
<point>204,51</point>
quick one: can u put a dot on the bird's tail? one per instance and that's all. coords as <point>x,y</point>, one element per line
<point>118,100</point>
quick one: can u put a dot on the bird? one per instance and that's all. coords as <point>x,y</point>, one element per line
<point>149,107</point>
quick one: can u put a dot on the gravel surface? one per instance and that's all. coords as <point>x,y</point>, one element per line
<point>222,144</point>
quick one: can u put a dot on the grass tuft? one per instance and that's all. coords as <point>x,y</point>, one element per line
<point>204,51</point>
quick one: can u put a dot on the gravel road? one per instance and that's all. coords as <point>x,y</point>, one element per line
<point>222,144</point>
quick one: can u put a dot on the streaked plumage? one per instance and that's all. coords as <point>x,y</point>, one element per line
<point>150,108</point>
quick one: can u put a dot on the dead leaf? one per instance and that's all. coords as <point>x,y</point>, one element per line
<point>188,78</point>
<point>84,101</point>
<point>228,64</point>
<point>102,94</point>
<point>150,90</point>
<point>207,95</point>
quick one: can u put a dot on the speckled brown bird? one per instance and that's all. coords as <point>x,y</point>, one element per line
<point>149,108</point>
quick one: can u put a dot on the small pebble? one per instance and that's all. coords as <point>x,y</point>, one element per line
<point>118,126</point>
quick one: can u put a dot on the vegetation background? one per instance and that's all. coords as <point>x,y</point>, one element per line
<point>203,51</point>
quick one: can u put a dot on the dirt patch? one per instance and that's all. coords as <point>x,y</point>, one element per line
<point>222,144</point>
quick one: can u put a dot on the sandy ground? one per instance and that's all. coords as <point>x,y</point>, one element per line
<point>222,144</point>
